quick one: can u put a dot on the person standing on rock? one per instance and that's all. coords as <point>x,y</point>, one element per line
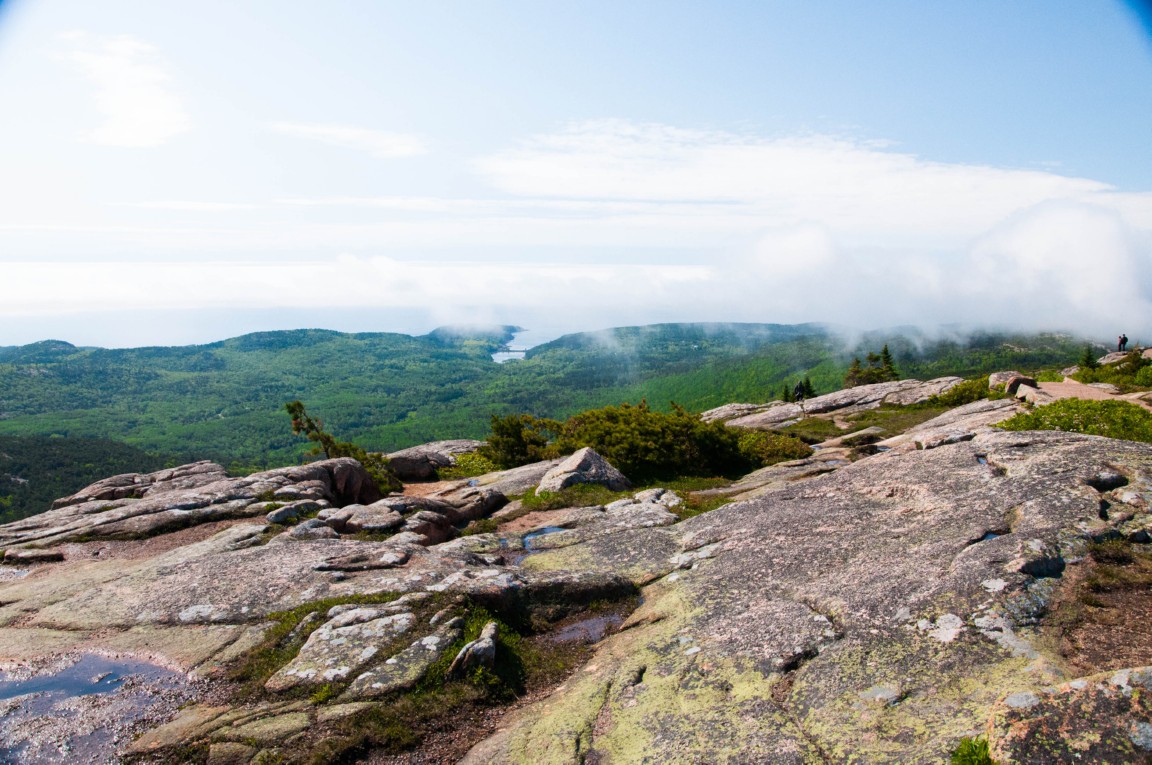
<point>1122,343</point>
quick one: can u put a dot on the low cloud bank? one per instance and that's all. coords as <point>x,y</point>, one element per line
<point>655,224</point>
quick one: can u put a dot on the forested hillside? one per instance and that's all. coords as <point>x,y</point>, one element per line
<point>225,400</point>
<point>34,470</point>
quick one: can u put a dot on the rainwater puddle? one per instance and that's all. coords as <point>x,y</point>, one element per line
<point>531,537</point>
<point>982,459</point>
<point>82,712</point>
<point>590,630</point>
<point>990,535</point>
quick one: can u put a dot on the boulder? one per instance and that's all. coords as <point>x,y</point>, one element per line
<point>999,380</point>
<point>341,647</point>
<point>584,466</point>
<point>292,511</point>
<point>420,463</point>
<point>406,668</point>
<point>313,528</point>
<point>1013,383</point>
<point>481,652</point>
<point>373,519</point>
<point>19,557</point>
<point>434,527</point>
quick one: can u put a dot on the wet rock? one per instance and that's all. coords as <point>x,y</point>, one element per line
<point>584,466</point>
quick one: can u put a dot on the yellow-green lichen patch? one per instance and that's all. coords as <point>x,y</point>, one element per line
<point>875,699</point>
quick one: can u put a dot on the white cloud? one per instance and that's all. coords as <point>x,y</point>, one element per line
<point>379,144</point>
<point>860,187</point>
<point>131,88</point>
<point>676,225</point>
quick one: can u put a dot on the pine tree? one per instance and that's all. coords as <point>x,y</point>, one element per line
<point>855,374</point>
<point>786,394</point>
<point>887,365</point>
<point>809,391</point>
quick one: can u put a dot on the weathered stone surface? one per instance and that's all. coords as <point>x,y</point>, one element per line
<point>138,485</point>
<point>433,527</point>
<point>845,401</point>
<point>420,463</point>
<point>1105,718</point>
<point>956,424</point>
<point>172,500</point>
<point>507,483</point>
<point>230,753</point>
<point>584,466</point>
<point>266,730</point>
<point>481,652</point>
<point>1012,384</point>
<point>292,511</point>
<point>877,613</point>
<point>32,555</point>
<point>341,647</point>
<point>406,668</point>
<point>999,380</point>
<point>313,528</point>
<point>374,518</point>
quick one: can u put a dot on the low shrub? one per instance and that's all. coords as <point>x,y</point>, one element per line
<point>643,444</point>
<point>468,465</point>
<point>767,448</point>
<point>1113,419</point>
<point>1126,374</point>
<point>972,751</point>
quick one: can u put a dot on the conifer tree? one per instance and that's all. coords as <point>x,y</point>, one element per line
<point>809,391</point>
<point>887,365</point>
<point>855,374</point>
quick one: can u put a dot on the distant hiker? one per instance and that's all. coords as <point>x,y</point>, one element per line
<point>798,391</point>
<point>1122,343</point>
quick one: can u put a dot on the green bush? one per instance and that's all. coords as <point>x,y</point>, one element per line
<point>468,465</point>
<point>1113,419</point>
<point>765,448</point>
<point>972,751</point>
<point>963,393</point>
<point>1126,373</point>
<point>643,444</point>
<point>517,439</point>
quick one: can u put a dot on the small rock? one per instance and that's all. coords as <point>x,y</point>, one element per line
<point>584,466</point>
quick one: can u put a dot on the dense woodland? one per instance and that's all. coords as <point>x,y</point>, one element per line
<point>34,470</point>
<point>225,400</point>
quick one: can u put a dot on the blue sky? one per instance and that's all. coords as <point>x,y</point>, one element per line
<point>175,173</point>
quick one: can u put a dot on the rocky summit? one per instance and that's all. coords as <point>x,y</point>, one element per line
<point>875,605</point>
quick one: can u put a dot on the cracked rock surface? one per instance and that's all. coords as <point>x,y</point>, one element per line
<point>877,613</point>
